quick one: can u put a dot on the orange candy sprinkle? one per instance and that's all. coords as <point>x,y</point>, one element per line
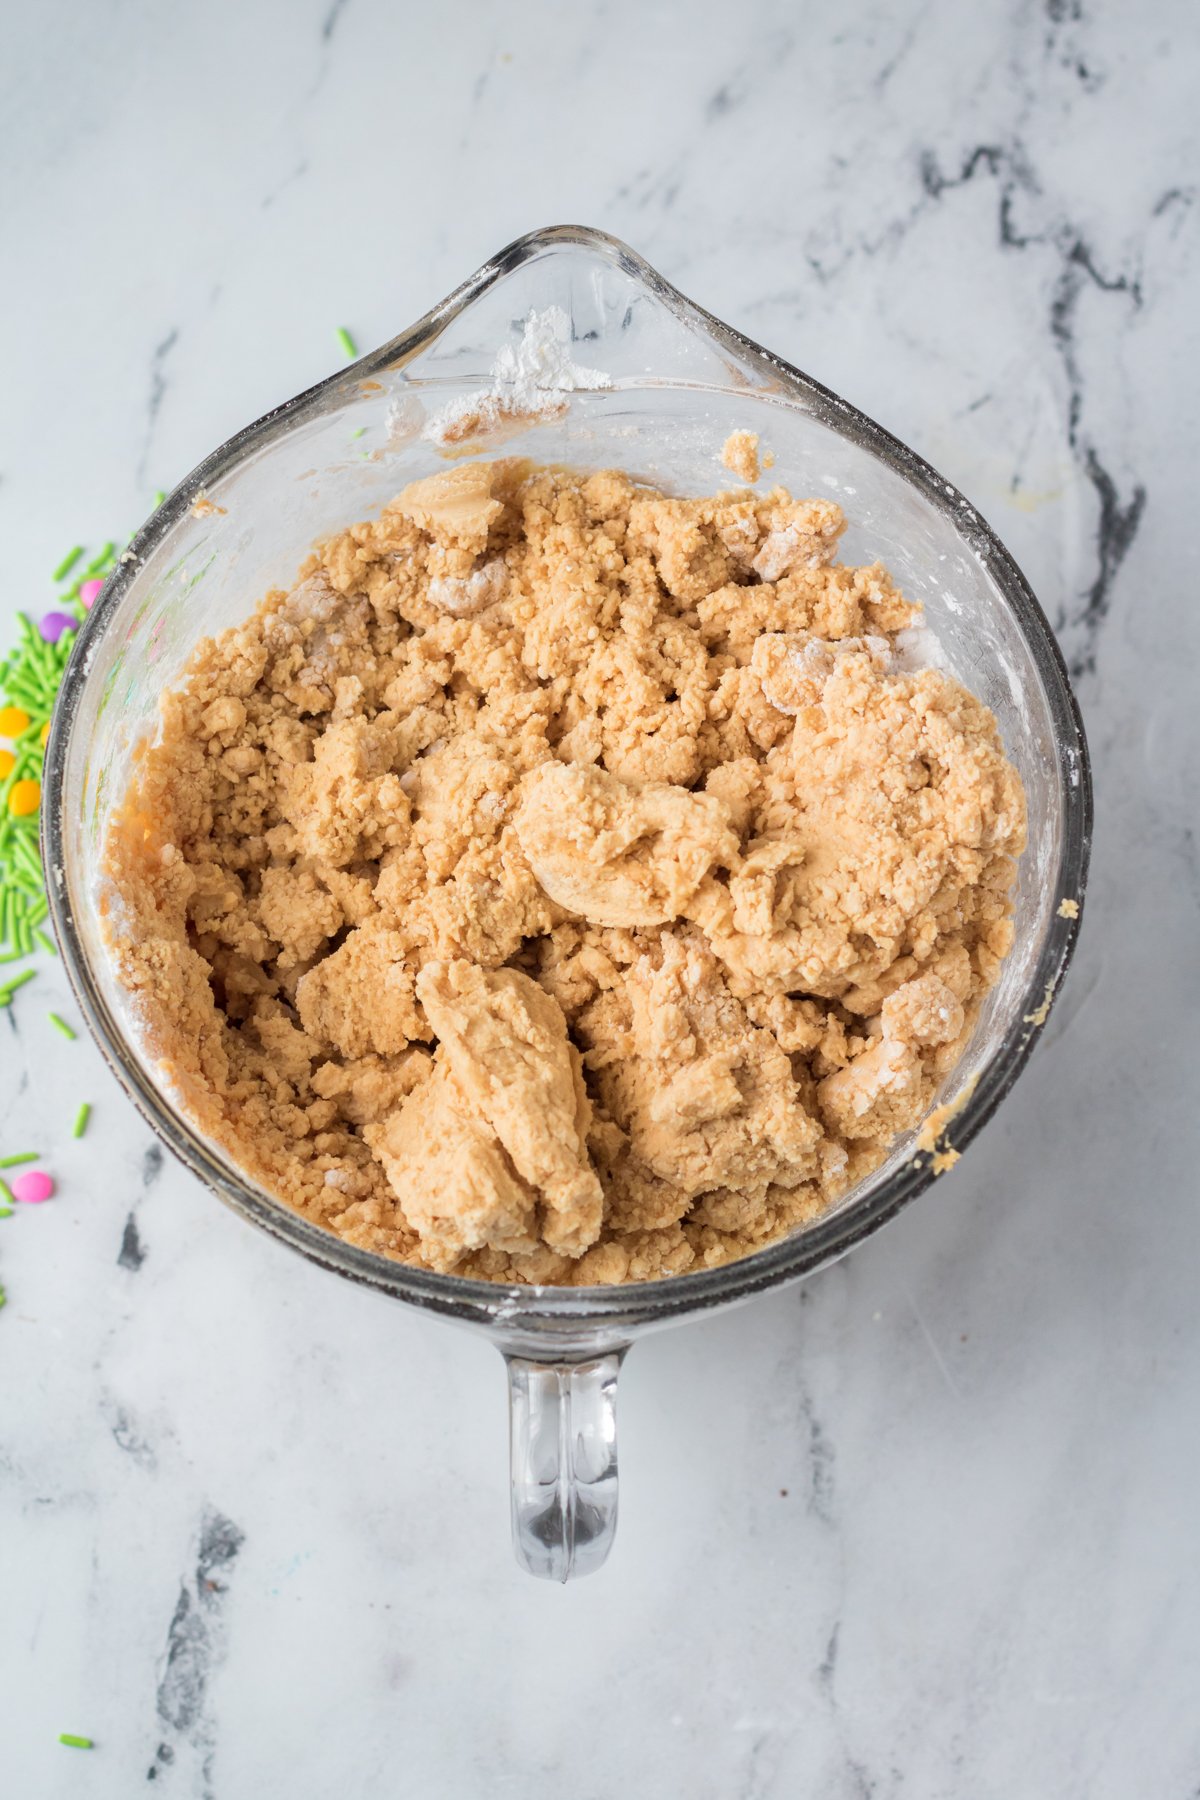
<point>13,720</point>
<point>24,798</point>
<point>7,762</point>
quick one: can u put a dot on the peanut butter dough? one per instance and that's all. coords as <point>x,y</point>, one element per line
<point>559,883</point>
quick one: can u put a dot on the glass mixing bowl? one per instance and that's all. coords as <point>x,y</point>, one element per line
<point>678,381</point>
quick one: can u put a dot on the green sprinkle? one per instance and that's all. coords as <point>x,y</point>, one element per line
<point>347,342</point>
<point>6,1212</point>
<point>38,649</point>
<point>101,557</point>
<point>25,687</point>
<point>47,944</point>
<point>7,1195</point>
<point>75,1743</point>
<point>26,869</point>
<point>12,1162</point>
<point>3,1297</point>
<point>22,688</point>
<point>359,432</point>
<point>61,1025</point>
<point>10,987</point>
<point>68,563</point>
<point>81,1120</point>
<point>160,495</point>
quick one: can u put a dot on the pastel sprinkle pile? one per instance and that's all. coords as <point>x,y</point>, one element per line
<point>29,682</point>
<point>30,677</point>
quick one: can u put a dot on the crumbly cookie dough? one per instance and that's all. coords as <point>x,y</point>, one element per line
<point>559,883</point>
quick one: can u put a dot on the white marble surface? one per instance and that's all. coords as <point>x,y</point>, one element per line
<point>925,1527</point>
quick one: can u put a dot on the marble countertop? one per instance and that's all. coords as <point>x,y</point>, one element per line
<point>924,1526</point>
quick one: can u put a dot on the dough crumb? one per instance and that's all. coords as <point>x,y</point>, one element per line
<point>1041,1013</point>
<point>563,882</point>
<point>1068,909</point>
<point>739,453</point>
<point>936,1122</point>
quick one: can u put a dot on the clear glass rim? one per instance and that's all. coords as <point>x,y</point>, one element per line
<point>534,1312</point>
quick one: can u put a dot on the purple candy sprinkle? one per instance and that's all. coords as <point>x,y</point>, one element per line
<point>55,623</point>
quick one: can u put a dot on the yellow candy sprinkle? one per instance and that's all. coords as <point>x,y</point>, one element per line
<point>24,798</point>
<point>7,760</point>
<point>13,720</point>
<point>44,734</point>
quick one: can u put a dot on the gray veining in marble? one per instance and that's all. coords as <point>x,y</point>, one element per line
<point>925,1528</point>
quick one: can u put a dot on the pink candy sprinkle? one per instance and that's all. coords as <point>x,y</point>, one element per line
<point>88,592</point>
<point>54,624</point>
<point>33,1188</point>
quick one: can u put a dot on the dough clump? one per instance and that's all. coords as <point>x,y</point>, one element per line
<point>560,883</point>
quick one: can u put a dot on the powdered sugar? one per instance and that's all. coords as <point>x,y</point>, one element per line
<point>779,551</point>
<point>917,647</point>
<point>529,382</point>
<point>465,595</point>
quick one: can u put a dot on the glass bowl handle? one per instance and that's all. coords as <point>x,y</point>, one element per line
<point>563,1435</point>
